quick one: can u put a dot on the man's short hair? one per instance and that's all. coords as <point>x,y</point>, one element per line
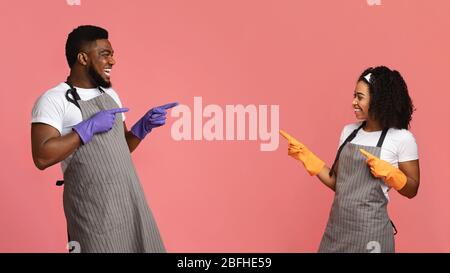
<point>79,37</point>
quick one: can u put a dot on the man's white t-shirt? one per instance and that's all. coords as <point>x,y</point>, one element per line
<point>398,145</point>
<point>54,109</point>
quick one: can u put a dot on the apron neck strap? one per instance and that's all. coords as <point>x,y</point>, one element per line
<point>382,137</point>
<point>348,139</point>
<point>75,97</point>
<point>73,92</point>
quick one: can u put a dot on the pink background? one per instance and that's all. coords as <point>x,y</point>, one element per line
<point>228,196</point>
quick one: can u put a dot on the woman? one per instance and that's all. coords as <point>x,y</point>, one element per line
<point>375,154</point>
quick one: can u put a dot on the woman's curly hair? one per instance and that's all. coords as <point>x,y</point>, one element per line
<point>390,103</point>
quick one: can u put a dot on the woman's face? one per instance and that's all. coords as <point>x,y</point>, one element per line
<point>361,100</point>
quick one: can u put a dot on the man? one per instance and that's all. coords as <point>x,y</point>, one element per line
<point>81,124</point>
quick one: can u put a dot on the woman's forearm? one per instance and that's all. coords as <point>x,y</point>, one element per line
<point>325,178</point>
<point>410,189</point>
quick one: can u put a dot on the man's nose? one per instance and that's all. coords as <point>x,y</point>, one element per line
<point>112,61</point>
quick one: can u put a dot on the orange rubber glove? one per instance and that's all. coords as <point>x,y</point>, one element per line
<point>297,150</point>
<point>391,175</point>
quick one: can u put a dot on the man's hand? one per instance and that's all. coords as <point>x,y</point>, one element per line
<point>101,122</point>
<point>155,117</point>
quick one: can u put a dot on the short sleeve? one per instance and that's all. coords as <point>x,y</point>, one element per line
<point>346,131</point>
<point>407,149</point>
<point>48,110</point>
<point>116,98</point>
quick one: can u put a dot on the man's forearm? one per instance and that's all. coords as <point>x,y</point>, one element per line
<point>132,141</point>
<point>55,150</point>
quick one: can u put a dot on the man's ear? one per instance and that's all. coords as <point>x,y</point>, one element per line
<point>82,58</point>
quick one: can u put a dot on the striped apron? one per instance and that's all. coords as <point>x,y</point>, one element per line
<point>359,220</point>
<point>104,203</point>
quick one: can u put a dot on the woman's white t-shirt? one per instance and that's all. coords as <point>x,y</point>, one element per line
<point>398,145</point>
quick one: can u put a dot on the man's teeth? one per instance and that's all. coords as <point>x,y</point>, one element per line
<point>107,72</point>
<point>357,110</point>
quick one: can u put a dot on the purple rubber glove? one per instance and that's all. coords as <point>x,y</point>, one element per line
<point>101,122</point>
<point>155,117</point>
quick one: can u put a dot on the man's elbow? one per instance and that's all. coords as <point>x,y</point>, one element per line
<point>41,164</point>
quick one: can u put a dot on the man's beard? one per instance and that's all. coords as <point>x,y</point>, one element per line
<point>97,78</point>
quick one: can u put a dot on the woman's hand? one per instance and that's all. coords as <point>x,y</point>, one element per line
<point>391,175</point>
<point>297,150</point>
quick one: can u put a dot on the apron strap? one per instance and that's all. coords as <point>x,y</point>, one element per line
<point>348,139</point>
<point>75,97</point>
<point>382,137</point>
<point>395,229</point>
<point>73,92</point>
